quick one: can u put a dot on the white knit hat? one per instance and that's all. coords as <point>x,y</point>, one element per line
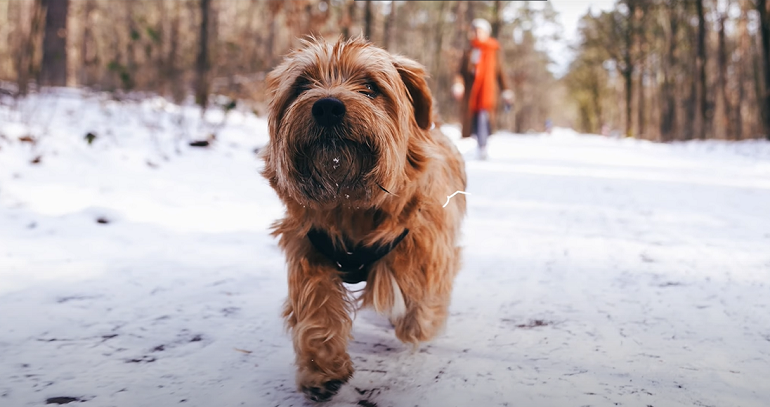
<point>483,24</point>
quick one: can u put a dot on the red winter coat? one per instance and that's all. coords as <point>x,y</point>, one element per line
<point>483,78</point>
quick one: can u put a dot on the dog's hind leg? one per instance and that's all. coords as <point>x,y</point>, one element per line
<point>384,294</point>
<point>318,314</point>
<point>427,291</point>
<point>422,321</point>
<point>417,312</point>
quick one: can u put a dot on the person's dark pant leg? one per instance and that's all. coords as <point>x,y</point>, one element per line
<point>482,127</point>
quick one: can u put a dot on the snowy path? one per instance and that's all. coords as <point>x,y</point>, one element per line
<point>597,273</point>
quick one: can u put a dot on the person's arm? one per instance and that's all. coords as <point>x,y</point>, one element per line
<point>502,80</point>
<point>458,87</point>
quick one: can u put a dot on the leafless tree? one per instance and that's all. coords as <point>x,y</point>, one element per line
<point>203,62</point>
<point>764,22</point>
<point>53,70</point>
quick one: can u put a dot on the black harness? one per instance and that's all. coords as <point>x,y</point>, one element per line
<point>354,264</point>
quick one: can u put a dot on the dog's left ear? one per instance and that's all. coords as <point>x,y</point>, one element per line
<point>413,75</point>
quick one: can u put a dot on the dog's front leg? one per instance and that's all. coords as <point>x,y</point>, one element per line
<point>318,314</point>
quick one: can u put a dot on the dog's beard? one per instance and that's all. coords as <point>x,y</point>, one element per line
<point>333,169</point>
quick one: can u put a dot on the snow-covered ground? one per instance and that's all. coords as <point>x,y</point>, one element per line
<point>597,272</point>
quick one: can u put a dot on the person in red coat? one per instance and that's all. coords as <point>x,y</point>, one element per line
<point>478,83</point>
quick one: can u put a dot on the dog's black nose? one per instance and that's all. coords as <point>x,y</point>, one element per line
<point>328,112</point>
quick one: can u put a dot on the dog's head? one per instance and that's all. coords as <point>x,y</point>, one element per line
<point>346,122</point>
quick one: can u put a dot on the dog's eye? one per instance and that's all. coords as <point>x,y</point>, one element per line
<point>370,90</point>
<point>298,90</point>
<point>300,87</point>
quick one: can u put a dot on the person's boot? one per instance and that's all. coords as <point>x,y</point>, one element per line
<point>483,153</point>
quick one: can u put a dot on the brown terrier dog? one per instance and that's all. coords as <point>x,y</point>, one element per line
<point>364,176</point>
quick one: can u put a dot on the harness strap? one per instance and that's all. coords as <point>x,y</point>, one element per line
<point>354,264</point>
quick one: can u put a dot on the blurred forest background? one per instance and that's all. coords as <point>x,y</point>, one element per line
<point>652,69</point>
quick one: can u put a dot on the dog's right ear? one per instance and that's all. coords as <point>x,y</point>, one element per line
<point>277,91</point>
<point>278,96</point>
<point>413,75</point>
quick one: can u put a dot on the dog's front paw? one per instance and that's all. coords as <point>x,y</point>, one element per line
<point>323,392</point>
<point>318,386</point>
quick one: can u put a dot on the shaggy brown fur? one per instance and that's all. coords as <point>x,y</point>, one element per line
<point>380,170</point>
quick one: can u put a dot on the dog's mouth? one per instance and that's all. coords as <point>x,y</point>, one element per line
<point>335,170</point>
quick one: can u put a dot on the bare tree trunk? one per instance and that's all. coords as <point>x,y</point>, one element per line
<point>461,25</point>
<point>438,40</point>
<point>255,61</point>
<point>390,29</point>
<point>26,59</point>
<point>597,105</point>
<point>702,119</point>
<point>628,81</point>
<point>691,111</point>
<point>164,31</point>
<point>88,53</point>
<point>130,72</point>
<point>348,19</point>
<point>368,16</point>
<point>203,62</point>
<point>53,70</point>
<point>5,39</point>
<point>755,83</point>
<point>275,7</point>
<point>744,58</point>
<point>172,69</point>
<point>668,114</point>
<point>441,78</point>
<point>628,71</point>
<point>764,18</point>
<point>470,13</point>
<point>497,18</point>
<point>641,113</point>
<point>725,124</point>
